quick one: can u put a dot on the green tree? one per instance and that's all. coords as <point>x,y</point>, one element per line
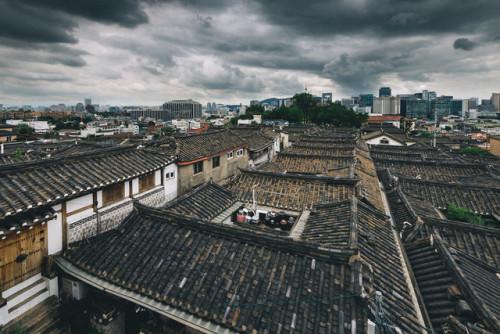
<point>405,125</point>
<point>473,151</point>
<point>255,109</point>
<point>306,104</point>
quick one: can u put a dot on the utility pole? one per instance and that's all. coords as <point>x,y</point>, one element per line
<point>435,125</point>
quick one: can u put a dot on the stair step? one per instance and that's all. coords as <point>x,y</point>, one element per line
<point>26,292</point>
<point>35,317</point>
<point>9,292</point>
<point>26,301</point>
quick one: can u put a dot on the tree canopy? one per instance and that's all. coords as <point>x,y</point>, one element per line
<point>305,110</point>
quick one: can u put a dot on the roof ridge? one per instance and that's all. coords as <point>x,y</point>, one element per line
<point>304,248</point>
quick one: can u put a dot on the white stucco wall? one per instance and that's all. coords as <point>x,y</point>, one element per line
<point>376,141</point>
<point>170,183</point>
<point>54,232</point>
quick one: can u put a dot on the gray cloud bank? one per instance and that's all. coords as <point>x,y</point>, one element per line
<point>213,47</point>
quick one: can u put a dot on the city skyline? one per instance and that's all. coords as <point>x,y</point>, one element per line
<point>150,52</point>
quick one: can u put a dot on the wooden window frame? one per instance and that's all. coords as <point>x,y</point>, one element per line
<point>216,161</point>
<point>113,193</point>
<point>230,155</point>
<point>239,152</point>
<point>147,182</point>
<point>198,167</point>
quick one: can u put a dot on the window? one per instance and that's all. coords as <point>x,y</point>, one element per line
<point>113,193</point>
<point>146,182</point>
<point>198,167</point>
<point>170,175</point>
<point>239,153</point>
<point>384,141</point>
<point>230,155</point>
<point>215,162</point>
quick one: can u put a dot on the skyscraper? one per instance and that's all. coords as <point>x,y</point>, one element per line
<point>181,109</point>
<point>88,101</point>
<point>495,100</point>
<point>387,105</point>
<point>384,91</point>
<point>366,100</point>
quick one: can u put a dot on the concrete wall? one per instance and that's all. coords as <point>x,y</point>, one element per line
<point>495,145</point>
<point>228,167</point>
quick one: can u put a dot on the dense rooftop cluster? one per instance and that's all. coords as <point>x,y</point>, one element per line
<point>365,221</point>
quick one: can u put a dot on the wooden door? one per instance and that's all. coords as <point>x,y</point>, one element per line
<point>21,256</point>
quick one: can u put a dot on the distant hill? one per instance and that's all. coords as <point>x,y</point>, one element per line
<point>272,100</point>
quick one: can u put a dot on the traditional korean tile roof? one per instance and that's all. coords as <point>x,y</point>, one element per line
<point>356,225</point>
<point>454,284</point>
<point>309,164</point>
<point>29,185</point>
<point>314,150</point>
<point>480,199</point>
<point>292,192</point>
<point>399,137</point>
<point>165,145</point>
<point>14,224</point>
<point>79,147</point>
<point>479,242</point>
<point>229,278</point>
<point>365,170</point>
<point>6,159</point>
<point>330,225</point>
<point>257,141</point>
<point>194,147</point>
<point>438,171</point>
<point>203,203</point>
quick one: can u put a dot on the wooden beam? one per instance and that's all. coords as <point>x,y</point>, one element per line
<point>64,226</point>
<point>94,201</point>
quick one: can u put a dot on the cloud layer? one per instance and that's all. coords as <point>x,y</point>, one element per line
<point>149,51</point>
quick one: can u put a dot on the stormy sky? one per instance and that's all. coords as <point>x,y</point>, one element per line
<point>230,51</point>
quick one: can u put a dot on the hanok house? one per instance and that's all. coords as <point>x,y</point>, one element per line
<point>212,155</point>
<point>210,277</point>
<point>382,137</point>
<point>46,205</point>
<point>8,133</point>
<point>263,143</point>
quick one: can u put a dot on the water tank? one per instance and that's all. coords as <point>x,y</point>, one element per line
<point>240,217</point>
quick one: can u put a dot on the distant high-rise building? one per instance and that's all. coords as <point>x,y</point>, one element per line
<point>181,109</point>
<point>79,107</point>
<point>495,100</point>
<point>387,105</point>
<point>403,98</point>
<point>254,102</point>
<point>456,107</point>
<point>470,103</point>
<point>326,98</point>
<point>1,106</point>
<point>88,101</point>
<point>384,91</point>
<point>209,106</point>
<point>440,107</point>
<point>417,108</point>
<point>366,100</point>
<point>428,96</point>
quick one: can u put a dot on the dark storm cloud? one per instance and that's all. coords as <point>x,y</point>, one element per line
<point>384,18</point>
<point>24,23</point>
<point>464,44</point>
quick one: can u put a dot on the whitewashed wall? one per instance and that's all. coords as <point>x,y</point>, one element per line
<point>170,182</point>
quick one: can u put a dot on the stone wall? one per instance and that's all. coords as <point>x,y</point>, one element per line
<point>110,217</point>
